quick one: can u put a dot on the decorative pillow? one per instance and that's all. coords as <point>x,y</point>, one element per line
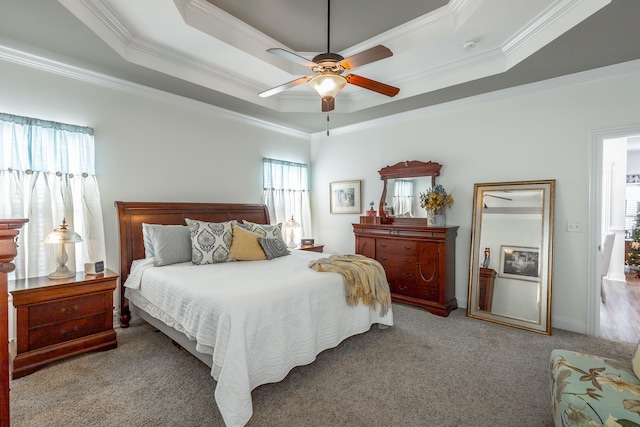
<point>146,238</point>
<point>245,246</point>
<point>635,360</point>
<point>169,244</point>
<point>265,230</point>
<point>273,247</point>
<point>210,241</point>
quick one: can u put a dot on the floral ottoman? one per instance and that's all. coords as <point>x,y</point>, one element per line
<point>588,390</point>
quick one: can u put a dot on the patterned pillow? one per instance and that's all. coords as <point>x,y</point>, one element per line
<point>170,244</point>
<point>265,230</point>
<point>245,246</point>
<point>210,241</point>
<point>635,360</point>
<point>273,247</point>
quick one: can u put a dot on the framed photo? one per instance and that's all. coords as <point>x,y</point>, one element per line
<point>519,263</point>
<point>345,197</point>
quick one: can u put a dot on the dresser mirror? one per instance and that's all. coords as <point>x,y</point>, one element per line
<point>403,197</point>
<point>405,180</point>
<point>511,264</point>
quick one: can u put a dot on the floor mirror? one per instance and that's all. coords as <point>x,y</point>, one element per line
<point>511,265</point>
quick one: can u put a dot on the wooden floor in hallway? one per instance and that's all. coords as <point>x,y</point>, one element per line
<point>620,315</point>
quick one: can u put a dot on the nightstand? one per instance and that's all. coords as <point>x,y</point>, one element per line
<point>61,318</point>
<point>312,248</point>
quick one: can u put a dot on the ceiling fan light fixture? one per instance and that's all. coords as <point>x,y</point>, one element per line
<point>328,85</point>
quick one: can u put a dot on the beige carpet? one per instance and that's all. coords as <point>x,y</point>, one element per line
<point>424,371</point>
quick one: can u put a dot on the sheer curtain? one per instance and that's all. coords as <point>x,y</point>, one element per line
<point>47,174</point>
<point>402,201</point>
<point>286,194</point>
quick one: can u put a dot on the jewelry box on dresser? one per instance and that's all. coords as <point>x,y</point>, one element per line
<point>419,260</point>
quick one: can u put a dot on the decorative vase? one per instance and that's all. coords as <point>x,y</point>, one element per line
<point>436,218</point>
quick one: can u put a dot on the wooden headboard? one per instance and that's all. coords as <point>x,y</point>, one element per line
<point>131,215</point>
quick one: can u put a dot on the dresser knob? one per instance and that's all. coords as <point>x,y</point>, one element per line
<point>384,245</point>
<point>63,310</point>
<point>63,332</point>
<point>384,258</point>
<point>408,248</point>
<point>75,308</point>
<point>406,275</point>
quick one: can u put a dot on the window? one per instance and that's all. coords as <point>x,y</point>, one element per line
<point>632,203</point>
<point>47,174</point>
<point>286,194</point>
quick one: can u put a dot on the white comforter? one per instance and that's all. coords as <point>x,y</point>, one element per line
<point>259,319</point>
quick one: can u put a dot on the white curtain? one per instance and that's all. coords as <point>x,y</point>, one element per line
<point>47,174</point>
<point>286,194</point>
<point>403,200</point>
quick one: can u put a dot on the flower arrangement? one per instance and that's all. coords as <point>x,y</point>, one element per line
<point>436,198</point>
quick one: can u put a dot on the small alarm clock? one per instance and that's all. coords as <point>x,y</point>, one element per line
<point>94,267</point>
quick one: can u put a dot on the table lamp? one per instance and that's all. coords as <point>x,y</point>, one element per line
<point>61,236</point>
<point>291,224</point>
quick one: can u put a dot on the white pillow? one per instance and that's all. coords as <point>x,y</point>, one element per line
<point>210,241</point>
<point>146,238</point>
<point>169,244</point>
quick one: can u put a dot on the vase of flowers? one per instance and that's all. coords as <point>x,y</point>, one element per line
<point>435,201</point>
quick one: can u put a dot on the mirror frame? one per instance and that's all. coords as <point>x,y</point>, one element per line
<point>543,323</point>
<point>406,169</point>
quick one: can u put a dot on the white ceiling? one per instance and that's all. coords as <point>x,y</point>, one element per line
<point>215,51</point>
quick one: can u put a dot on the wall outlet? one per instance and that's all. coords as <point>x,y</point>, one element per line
<point>574,227</point>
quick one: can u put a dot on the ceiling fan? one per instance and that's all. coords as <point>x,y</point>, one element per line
<point>328,68</point>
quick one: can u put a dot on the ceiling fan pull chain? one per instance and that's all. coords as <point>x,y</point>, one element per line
<point>327,124</point>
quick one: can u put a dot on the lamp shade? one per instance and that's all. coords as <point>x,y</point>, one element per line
<point>328,85</point>
<point>62,235</point>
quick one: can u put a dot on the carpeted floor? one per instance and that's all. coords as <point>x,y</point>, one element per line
<point>424,371</point>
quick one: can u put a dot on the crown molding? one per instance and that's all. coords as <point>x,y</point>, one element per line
<point>23,58</point>
<point>499,95</point>
<point>39,62</point>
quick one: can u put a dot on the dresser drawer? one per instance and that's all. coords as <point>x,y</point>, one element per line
<point>397,260</point>
<point>395,246</point>
<point>65,331</point>
<point>426,293</point>
<point>66,309</point>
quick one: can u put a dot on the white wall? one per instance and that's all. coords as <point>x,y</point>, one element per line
<point>153,146</point>
<point>539,134</point>
<point>158,147</point>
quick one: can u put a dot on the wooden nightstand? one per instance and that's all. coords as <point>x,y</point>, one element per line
<point>312,248</point>
<point>61,318</point>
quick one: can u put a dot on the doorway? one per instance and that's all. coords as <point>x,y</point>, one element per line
<point>617,306</point>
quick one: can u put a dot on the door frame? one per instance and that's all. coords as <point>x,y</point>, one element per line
<point>594,231</point>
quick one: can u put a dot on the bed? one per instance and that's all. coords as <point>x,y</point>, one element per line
<point>250,321</point>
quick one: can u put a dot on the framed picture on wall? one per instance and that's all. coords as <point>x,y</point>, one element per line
<point>344,197</point>
<point>518,262</point>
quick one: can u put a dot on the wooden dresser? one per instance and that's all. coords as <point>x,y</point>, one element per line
<point>485,288</point>
<point>419,261</point>
<point>9,229</point>
<point>62,318</point>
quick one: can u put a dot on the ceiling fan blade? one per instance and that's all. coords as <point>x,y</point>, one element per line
<point>292,57</point>
<point>283,87</point>
<point>372,85</point>
<point>376,53</point>
<point>498,197</point>
<point>328,104</point>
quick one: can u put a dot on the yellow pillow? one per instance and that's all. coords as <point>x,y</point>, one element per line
<point>245,246</point>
